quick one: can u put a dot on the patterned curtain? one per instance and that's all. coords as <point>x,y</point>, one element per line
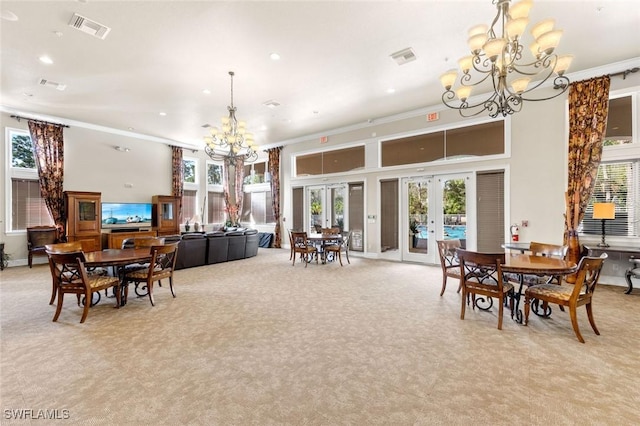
<point>274,171</point>
<point>232,187</point>
<point>48,151</point>
<point>177,176</point>
<point>588,110</point>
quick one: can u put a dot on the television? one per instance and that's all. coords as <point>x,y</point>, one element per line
<point>126,215</point>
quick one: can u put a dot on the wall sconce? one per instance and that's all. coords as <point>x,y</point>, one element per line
<point>604,211</point>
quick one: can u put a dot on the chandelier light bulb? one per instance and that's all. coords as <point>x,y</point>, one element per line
<point>516,27</point>
<point>493,48</point>
<point>520,9</point>
<point>476,42</point>
<point>549,41</point>
<point>465,64</point>
<point>478,29</point>
<point>562,64</point>
<point>463,93</point>
<point>449,78</point>
<point>520,85</point>
<point>542,27</point>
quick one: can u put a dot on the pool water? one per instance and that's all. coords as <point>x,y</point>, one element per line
<point>455,232</point>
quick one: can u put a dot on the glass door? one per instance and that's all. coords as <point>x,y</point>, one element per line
<point>456,199</point>
<point>326,207</point>
<point>417,225</point>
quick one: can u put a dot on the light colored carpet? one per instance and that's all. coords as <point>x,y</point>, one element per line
<point>260,342</point>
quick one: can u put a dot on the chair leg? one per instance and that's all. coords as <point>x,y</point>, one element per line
<point>527,308</point>
<point>87,304</point>
<point>30,260</point>
<point>459,286</point>
<point>591,320</point>
<point>340,257</point>
<point>53,293</point>
<point>346,253</point>
<point>59,307</point>
<point>464,296</point>
<point>500,312</point>
<point>150,290</point>
<point>117,292</point>
<point>444,284</point>
<point>171,286</point>
<point>574,322</point>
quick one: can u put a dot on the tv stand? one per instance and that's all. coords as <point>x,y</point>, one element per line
<point>114,239</point>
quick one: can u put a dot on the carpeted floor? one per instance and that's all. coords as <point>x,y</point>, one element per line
<point>260,342</point>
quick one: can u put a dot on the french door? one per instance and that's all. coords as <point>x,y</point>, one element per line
<point>433,208</point>
<point>326,207</point>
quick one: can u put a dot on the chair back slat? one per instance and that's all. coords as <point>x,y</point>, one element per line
<point>587,276</point>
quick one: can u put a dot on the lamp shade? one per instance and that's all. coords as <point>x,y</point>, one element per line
<point>604,210</point>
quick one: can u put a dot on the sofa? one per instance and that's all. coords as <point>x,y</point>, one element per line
<point>198,249</point>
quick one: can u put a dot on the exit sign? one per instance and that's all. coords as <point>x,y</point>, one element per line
<point>433,116</point>
<point>324,139</point>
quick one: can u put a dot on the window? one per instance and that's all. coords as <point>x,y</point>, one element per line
<point>619,122</point>
<point>215,207</point>
<point>214,174</point>
<point>189,207</point>
<point>27,206</point>
<point>617,183</point>
<point>190,170</point>
<point>336,161</point>
<point>257,208</point>
<point>476,140</point>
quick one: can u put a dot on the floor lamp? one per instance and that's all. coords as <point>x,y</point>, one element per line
<point>604,211</point>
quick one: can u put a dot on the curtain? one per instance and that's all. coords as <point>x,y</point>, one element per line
<point>274,170</point>
<point>588,110</point>
<point>232,187</point>
<point>48,151</point>
<point>177,177</point>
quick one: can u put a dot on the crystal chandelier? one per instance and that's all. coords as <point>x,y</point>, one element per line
<point>499,57</point>
<point>232,141</point>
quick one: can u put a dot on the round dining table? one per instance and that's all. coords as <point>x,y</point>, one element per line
<point>321,240</point>
<point>118,259</point>
<point>528,264</point>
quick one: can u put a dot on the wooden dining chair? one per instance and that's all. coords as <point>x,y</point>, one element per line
<point>37,238</point>
<point>342,246</point>
<point>69,247</point>
<point>161,266</point>
<point>449,261</point>
<point>301,245</point>
<point>71,277</point>
<point>570,295</point>
<point>481,275</point>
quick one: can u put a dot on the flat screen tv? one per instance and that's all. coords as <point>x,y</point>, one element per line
<point>126,215</point>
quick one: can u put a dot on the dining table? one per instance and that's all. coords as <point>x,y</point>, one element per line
<point>118,259</point>
<point>529,264</point>
<point>321,241</point>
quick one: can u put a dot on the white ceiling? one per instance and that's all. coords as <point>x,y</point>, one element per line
<point>334,71</point>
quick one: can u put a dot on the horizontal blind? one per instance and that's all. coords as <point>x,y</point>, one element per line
<point>27,206</point>
<point>616,183</point>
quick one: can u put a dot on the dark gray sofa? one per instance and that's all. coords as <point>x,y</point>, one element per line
<point>198,249</point>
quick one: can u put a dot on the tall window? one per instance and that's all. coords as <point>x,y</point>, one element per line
<point>190,193</point>
<point>215,195</point>
<point>618,179</point>
<point>27,206</point>
<point>189,207</point>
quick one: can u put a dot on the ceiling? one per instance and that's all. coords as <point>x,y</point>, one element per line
<point>334,69</point>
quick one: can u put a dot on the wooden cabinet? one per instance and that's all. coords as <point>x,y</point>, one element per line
<point>165,219</point>
<point>114,239</point>
<point>83,221</point>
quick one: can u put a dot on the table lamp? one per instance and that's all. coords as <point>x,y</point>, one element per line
<point>604,211</point>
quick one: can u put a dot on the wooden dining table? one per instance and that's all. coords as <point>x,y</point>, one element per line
<point>528,264</point>
<point>321,240</point>
<point>118,259</point>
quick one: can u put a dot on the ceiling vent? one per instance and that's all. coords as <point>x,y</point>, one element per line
<point>88,26</point>
<point>53,84</point>
<point>403,56</point>
<point>271,104</point>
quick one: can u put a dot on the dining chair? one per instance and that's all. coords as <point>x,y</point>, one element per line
<point>161,266</point>
<point>570,295</point>
<point>70,275</point>
<point>482,275</point>
<point>338,248</point>
<point>301,245</point>
<point>69,247</point>
<point>449,261</point>
<point>37,238</point>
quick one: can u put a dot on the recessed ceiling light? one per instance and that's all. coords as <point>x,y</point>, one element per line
<point>206,91</point>
<point>45,59</point>
<point>58,33</point>
<point>8,15</point>
<point>274,56</point>
<point>163,114</point>
<point>28,95</point>
<point>131,128</point>
<point>271,104</point>
<point>264,127</point>
<point>391,90</point>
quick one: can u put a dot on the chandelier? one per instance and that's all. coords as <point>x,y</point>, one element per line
<point>232,141</point>
<point>499,57</point>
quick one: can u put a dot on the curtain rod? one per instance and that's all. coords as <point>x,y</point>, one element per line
<point>625,73</point>
<point>17,117</point>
